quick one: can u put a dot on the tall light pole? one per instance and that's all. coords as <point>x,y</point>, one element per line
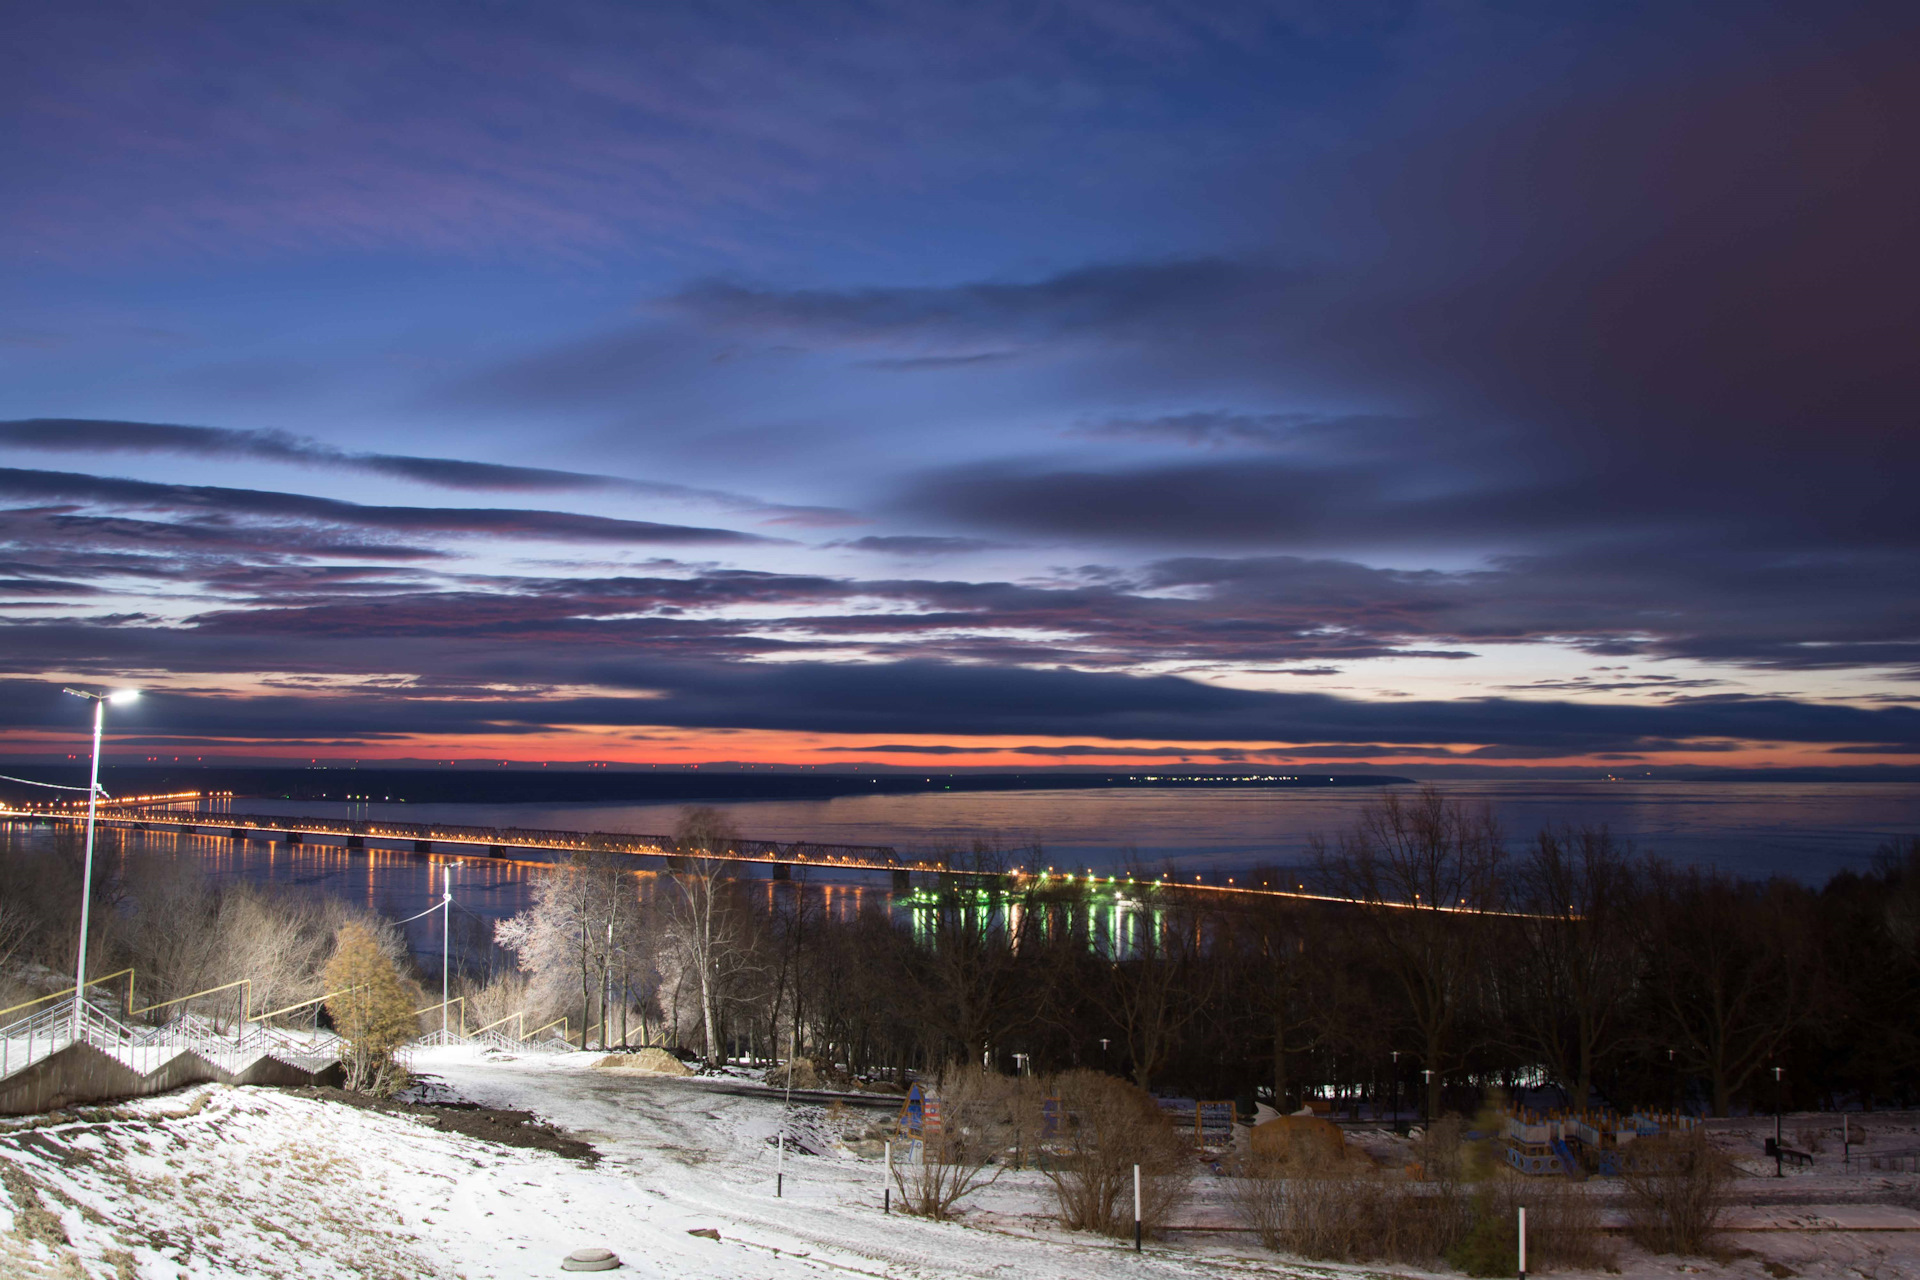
<point>1779,1103</point>
<point>100,701</point>
<point>446,932</point>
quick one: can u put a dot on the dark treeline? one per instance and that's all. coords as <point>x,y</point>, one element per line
<point>1484,960</point>
<point>1480,957</point>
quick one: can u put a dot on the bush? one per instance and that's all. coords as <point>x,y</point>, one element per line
<point>955,1158</point>
<point>1107,1126</point>
<point>1677,1194</point>
<point>1341,1211</point>
<point>1257,1194</point>
<point>1491,1245</point>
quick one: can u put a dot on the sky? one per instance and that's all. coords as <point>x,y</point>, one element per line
<point>1402,385</point>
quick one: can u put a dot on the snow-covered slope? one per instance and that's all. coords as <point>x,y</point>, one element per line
<point>220,1183</point>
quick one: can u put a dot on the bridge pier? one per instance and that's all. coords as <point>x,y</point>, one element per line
<point>238,833</point>
<point>782,870</point>
<point>423,846</point>
<point>293,837</point>
<point>903,882</point>
<point>496,851</point>
<point>356,842</point>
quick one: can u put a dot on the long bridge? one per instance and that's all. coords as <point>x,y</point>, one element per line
<point>439,838</point>
<point>436,839</point>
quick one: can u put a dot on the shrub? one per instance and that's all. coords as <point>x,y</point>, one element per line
<point>955,1158</point>
<point>1677,1194</point>
<point>1107,1126</point>
<point>1491,1245</point>
<point>1257,1194</point>
<point>1343,1211</point>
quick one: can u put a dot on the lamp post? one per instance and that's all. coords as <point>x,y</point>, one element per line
<point>446,933</point>
<point>1426,1096</point>
<point>1779,1157</point>
<point>100,701</point>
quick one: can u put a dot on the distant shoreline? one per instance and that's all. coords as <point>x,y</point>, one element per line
<point>541,786</point>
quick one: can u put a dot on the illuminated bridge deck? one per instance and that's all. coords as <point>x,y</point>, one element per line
<point>435,839</point>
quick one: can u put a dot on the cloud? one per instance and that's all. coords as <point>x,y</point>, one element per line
<point>940,699</point>
<point>94,436</point>
<point>922,364</point>
<point>204,501</point>
<point>1105,301</point>
<point>914,545</point>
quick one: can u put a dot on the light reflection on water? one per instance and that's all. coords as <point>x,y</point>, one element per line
<point>1804,830</point>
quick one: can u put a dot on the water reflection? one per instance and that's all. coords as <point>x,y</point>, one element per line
<point>1806,831</point>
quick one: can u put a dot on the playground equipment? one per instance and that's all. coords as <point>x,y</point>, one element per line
<point>1598,1140</point>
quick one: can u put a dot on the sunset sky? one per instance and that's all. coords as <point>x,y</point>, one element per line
<point>1382,384</point>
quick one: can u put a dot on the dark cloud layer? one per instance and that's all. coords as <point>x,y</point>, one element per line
<point>96,436</point>
<point>934,698</point>
<point>209,501</point>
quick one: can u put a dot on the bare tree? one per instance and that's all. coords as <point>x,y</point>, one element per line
<point>1572,975</point>
<point>1729,970</point>
<point>1424,871</point>
<point>1155,986</point>
<point>967,968</point>
<point>705,924</point>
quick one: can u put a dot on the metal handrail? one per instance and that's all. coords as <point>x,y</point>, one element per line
<point>520,1014</point>
<point>557,1022</point>
<point>68,991</point>
<point>459,1000</point>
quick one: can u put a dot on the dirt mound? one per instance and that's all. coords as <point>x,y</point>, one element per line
<point>508,1128</point>
<point>804,1075</point>
<point>1305,1141</point>
<point>653,1061</point>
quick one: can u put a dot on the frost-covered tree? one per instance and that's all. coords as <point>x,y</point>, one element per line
<point>582,940</point>
<point>706,926</point>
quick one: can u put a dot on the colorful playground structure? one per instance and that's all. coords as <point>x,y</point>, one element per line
<point>1575,1143</point>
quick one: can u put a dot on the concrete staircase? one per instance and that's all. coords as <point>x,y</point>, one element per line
<point>45,1065</point>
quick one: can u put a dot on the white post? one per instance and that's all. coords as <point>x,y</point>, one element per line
<point>86,877</point>
<point>1523,1242</point>
<point>793,1047</point>
<point>886,1199</point>
<point>1136,1208</point>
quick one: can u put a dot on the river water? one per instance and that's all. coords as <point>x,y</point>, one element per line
<point>1806,831</point>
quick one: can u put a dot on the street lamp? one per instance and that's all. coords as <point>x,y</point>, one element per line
<point>1779,1157</point>
<point>1395,1054</point>
<point>100,701</point>
<point>446,938</point>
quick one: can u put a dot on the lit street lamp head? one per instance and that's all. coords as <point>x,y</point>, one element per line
<point>118,695</point>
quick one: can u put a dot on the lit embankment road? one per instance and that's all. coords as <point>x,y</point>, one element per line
<point>433,838</point>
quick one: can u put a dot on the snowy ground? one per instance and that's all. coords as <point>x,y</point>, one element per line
<point>218,1182</point>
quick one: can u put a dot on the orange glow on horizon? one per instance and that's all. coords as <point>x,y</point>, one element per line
<point>590,747</point>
